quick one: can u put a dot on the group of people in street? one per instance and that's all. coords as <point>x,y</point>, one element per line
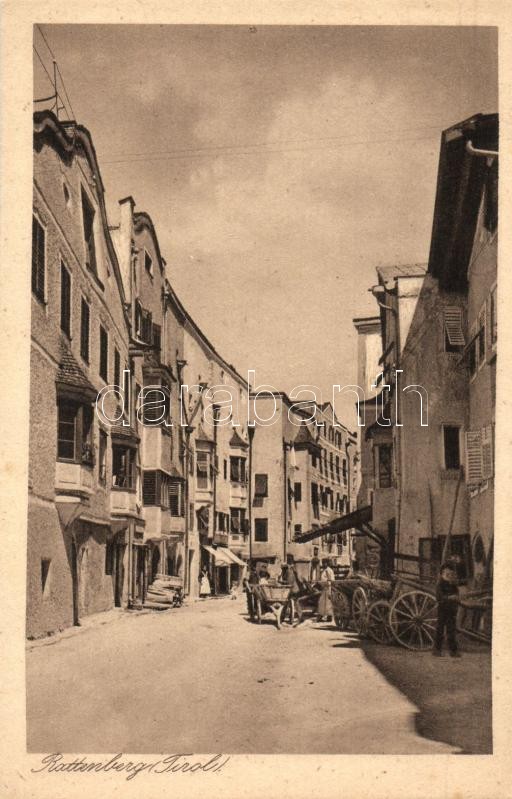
<point>287,575</point>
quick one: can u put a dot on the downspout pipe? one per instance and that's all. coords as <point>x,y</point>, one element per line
<point>480,153</point>
<point>285,509</point>
<point>397,454</point>
<point>250,432</point>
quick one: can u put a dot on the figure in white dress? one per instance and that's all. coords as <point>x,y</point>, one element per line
<point>204,584</point>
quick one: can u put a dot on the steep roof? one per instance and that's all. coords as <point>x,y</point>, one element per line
<point>460,182</point>
<point>71,140</point>
<point>70,375</point>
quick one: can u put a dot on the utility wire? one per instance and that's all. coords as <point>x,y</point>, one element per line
<point>66,93</point>
<point>43,65</point>
<point>46,42</point>
<point>192,156</point>
<point>207,148</point>
<point>69,111</point>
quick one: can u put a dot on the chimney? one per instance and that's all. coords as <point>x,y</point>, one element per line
<point>124,243</point>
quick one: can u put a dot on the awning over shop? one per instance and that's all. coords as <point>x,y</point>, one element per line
<point>357,518</point>
<point>224,557</point>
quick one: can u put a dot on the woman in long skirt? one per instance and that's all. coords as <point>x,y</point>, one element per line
<point>324,601</point>
<point>204,584</point>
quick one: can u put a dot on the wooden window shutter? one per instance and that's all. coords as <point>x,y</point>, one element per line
<point>473,457</point>
<point>453,326</point>
<point>487,454</point>
<point>65,300</point>
<point>84,331</point>
<point>38,258</point>
<point>260,485</point>
<point>149,488</point>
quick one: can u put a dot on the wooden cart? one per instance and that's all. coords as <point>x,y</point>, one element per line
<point>272,599</point>
<point>398,610</point>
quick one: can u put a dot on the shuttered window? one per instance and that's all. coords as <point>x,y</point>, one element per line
<point>482,324</point>
<point>65,300</point>
<point>473,457</point>
<point>103,353</point>
<point>149,487</point>
<point>202,465</point>
<point>38,258</point>
<point>88,222</point>
<point>454,337</point>
<point>261,530</point>
<point>261,485</point>
<point>84,330</point>
<point>117,368</point>
<point>157,336</point>
<point>493,321</point>
<point>487,453</point>
<point>146,332</point>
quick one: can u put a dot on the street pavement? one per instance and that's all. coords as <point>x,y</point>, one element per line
<point>203,679</point>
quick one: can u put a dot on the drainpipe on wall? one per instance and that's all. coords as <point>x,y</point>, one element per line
<point>481,153</point>
<point>186,574</point>
<point>285,448</point>
<point>250,431</point>
<point>397,437</point>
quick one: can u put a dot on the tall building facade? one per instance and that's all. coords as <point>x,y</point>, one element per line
<point>433,439</point>
<point>77,557</point>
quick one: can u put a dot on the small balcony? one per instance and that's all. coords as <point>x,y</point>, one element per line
<point>123,502</point>
<point>222,539</point>
<point>238,491</point>
<point>74,478</point>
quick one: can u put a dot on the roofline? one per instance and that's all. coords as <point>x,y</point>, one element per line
<point>194,328</point>
<point>46,120</point>
<point>142,219</point>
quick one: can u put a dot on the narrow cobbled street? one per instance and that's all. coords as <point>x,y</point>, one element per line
<point>204,679</point>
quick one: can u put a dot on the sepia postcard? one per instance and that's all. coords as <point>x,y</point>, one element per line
<point>256,467</point>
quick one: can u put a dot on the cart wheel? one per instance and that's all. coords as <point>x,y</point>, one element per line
<point>377,622</point>
<point>359,610</point>
<point>341,607</point>
<point>412,619</point>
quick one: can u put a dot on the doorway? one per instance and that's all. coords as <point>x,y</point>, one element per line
<point>119,574</point>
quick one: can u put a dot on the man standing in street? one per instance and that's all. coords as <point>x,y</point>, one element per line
<point>447,593</point>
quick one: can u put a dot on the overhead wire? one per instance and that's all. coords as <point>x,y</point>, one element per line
<point>211,146</point>
<point>70,111</point>
<point>174,156</point>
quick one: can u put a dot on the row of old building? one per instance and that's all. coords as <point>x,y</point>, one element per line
<point>427,364</point>
<point>144,480</point>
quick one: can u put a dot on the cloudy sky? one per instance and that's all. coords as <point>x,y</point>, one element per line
<point>280,166</point>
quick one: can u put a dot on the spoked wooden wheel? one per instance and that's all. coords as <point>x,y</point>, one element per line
<point>377,622</point>
<point>412,619</point>
<point>359,610</point>
<point>341,608</point>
